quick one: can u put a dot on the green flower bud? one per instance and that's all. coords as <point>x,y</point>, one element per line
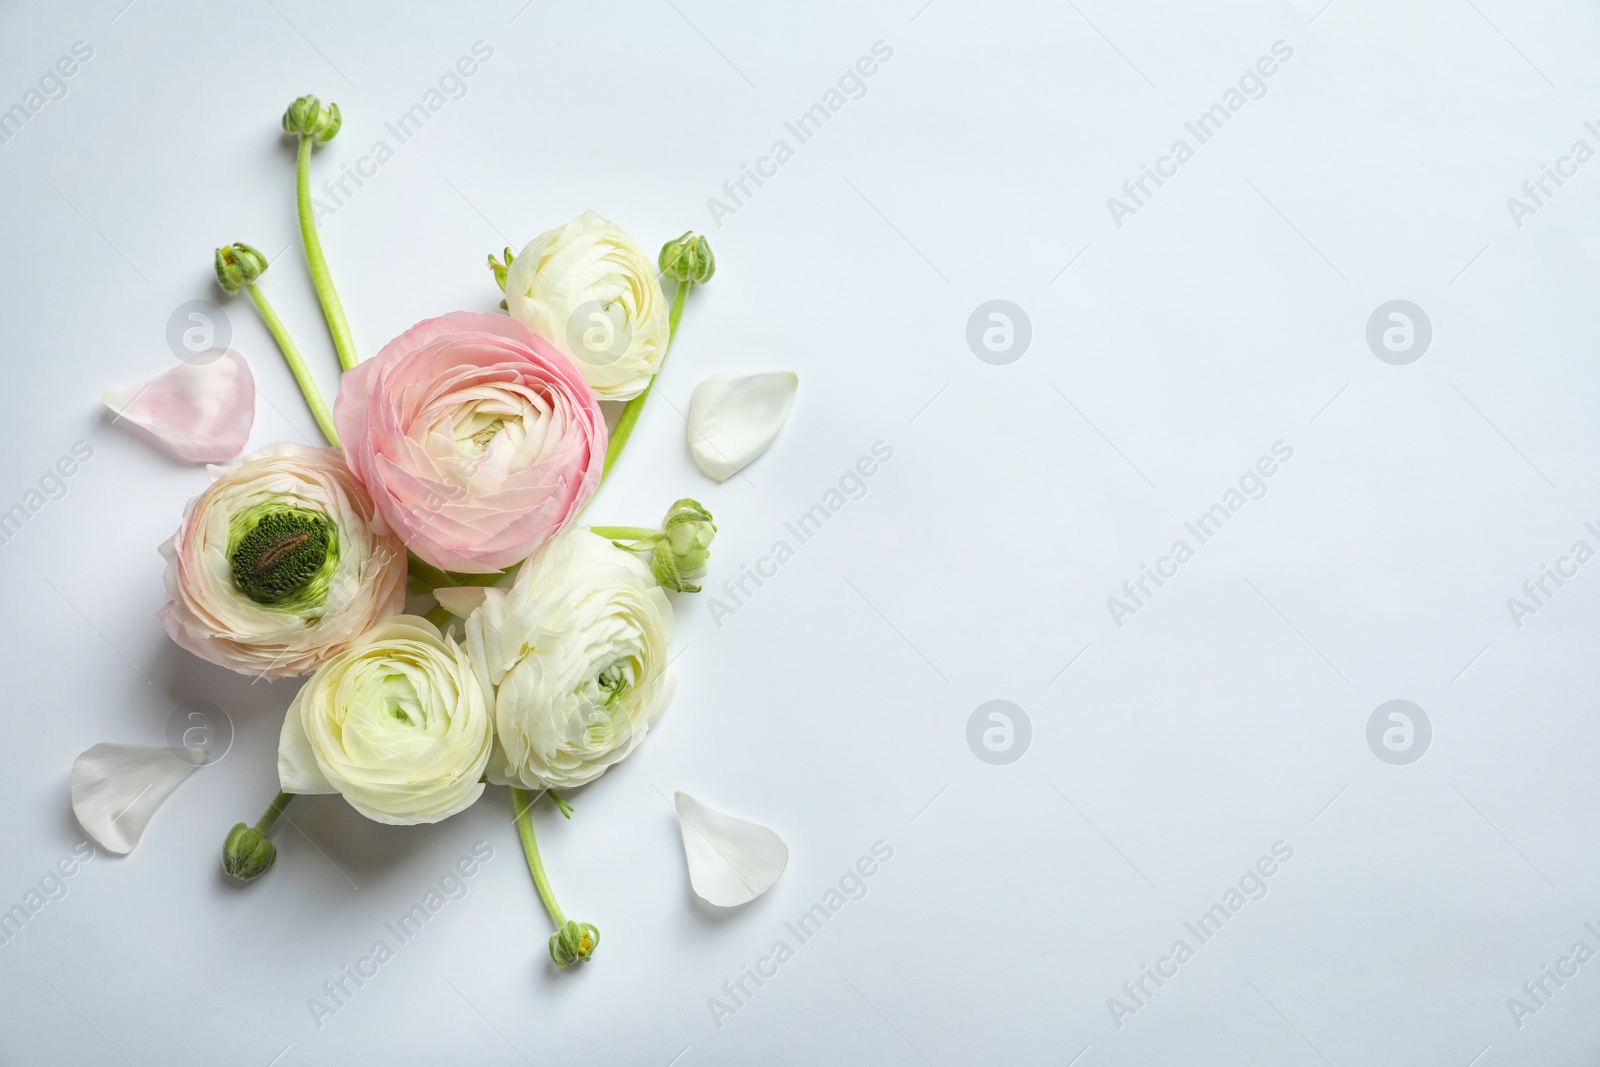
<point>665,568</point>
<point>500,268</point>
<point>687,533</point>
<point>573,943</point>
<point>239,265</point>
<point>688,259</point>
<point>308,117</point>
<point>247,853</point>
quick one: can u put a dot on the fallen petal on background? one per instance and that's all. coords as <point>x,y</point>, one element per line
<point>734,416</point>
<point>116,788</point>
<point>731,861</point>
<point>198,412</point>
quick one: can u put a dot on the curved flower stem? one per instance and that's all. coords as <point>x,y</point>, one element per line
<point>530,848</point>
<point>297,364</point>
<point>623,533</point>
<point>332,309</point>
<point>630,413</point>
<point>270,817</point>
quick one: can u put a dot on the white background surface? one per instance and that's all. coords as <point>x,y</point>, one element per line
<point>1229,713</point>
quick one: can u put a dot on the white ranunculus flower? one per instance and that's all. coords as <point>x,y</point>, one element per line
<point>575,653</point>
<point>280,564</point>
<point>590,290</point>
<point>398,723</point>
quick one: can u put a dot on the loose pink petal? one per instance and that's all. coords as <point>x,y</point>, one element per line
<point>199,412</point>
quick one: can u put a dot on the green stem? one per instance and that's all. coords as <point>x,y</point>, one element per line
<point>561,805</point>
<point>275,809</point>
<point>432,576</point>
<point>530,848</point>
<point>332,309</point>
<point>438,579</point>
<point>297,364</point>
<point>630,413</point>
<point>623,533</point>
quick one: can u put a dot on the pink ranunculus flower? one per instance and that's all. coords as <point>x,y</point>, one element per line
<point>478,440</point>
<point>280,564</point>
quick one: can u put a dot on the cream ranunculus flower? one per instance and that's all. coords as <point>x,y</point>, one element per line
<point>575,653</point>
<point>280,563</point>
<point>398,724</point>
<point>590,290</point>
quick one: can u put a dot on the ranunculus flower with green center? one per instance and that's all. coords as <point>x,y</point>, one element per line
<point>398,724</point>
<point>575,654</point>
<point>281,554</point>
<point>280,564</point>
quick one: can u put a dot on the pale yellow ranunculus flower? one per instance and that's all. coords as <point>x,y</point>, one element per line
<point>398,724</point>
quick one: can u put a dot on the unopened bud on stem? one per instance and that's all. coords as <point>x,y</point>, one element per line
<point>309,117</point>
<point>239,265</point>
<point>678,551</point>
<point>688,259</point>
<point>573,943</point>
<point>688,531</point>
<point>247,853</point>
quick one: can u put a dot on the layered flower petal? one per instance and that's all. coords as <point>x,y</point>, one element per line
<point>397,723</point>
<point>197,412</point>
<point>575,654</point>
<point>280,564</point>
<point>731,861</point>
<point>590,290</point>
<point>117,788</point>
<point>477,440</point>
<point>735,416</point>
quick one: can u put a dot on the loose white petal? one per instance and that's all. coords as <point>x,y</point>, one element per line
<point>116,788</point>
<point>731,861</point>
<point>198,412</point>
<point>734,416</point>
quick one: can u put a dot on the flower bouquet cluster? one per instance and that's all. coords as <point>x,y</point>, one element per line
<point>537,652</point>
